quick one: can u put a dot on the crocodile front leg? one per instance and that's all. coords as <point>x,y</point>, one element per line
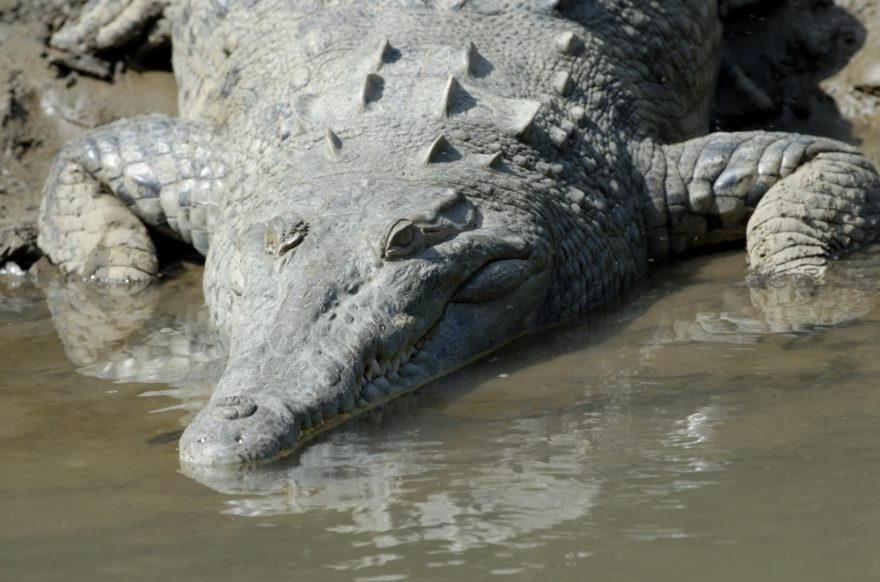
<point>105,186</point>
<point>798,200</point>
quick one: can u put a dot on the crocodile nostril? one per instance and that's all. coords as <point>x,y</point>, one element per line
<point>233,407</point>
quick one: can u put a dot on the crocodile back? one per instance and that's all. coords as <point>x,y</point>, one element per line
<point>646,67</point>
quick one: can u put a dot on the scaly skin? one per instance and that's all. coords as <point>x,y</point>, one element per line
<point>388,190</point>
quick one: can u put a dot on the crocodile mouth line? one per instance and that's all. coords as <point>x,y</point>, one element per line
<point>379,382</point>
<point>379,376</point>
<point>380,379</point>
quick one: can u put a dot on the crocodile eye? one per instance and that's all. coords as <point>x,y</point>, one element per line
<point>404,239</point>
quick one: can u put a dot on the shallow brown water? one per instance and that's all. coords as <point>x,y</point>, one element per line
<point>673,438</point>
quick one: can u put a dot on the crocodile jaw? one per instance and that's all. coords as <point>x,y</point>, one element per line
<point>296,370</point>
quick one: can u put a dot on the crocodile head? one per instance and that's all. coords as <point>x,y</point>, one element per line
<point>352,295</point>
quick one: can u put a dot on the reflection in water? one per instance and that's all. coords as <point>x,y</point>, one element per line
<point>145,334</point>
<point>536,476</point>
<point>409,491</point>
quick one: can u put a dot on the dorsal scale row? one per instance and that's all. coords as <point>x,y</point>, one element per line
<point>462,94</point>
<point>515,116</point>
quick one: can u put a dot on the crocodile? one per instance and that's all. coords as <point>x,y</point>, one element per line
<point>388,190</point>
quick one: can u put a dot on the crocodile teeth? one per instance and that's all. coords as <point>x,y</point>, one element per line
<point>375,370</point>
<point>371,393</point>
<point>383,374</point>
<point>383,385</point>
<point>346,404</point>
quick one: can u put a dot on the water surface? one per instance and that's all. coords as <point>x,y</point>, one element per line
<point>682,435</point>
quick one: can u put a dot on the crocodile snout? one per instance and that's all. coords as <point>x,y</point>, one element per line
<point>237,429</point>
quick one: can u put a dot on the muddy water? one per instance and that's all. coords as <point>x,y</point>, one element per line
<point>683,435</point>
